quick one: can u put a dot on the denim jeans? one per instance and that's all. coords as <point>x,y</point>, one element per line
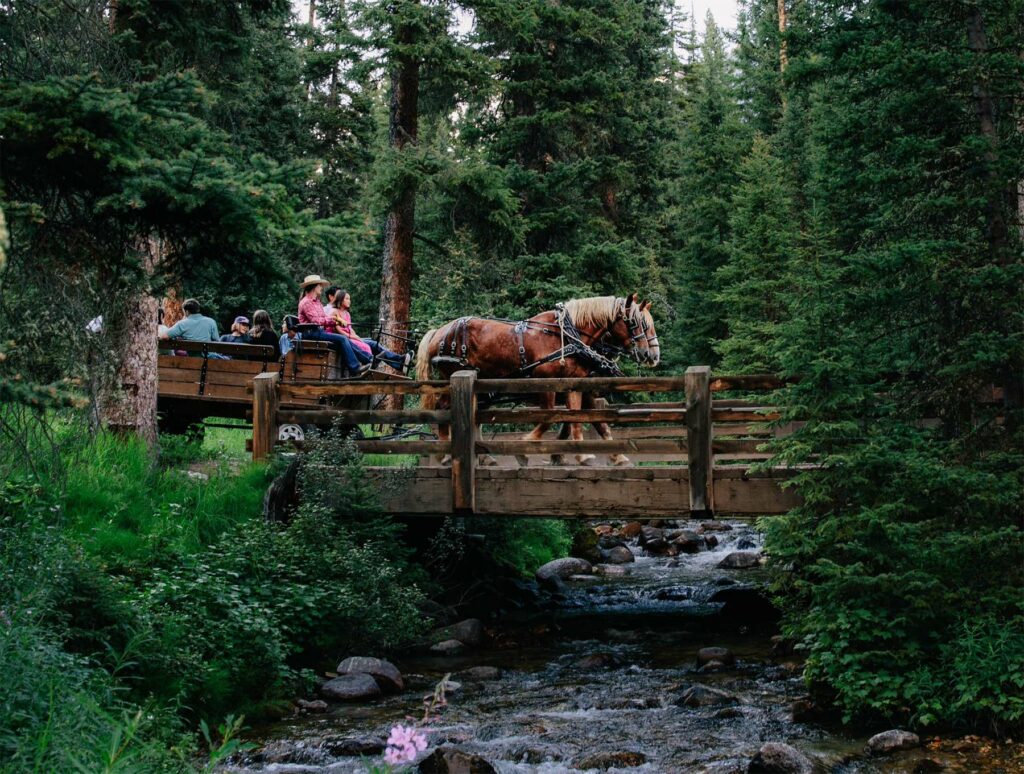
<point>393,359</point>
<point>339,344</point>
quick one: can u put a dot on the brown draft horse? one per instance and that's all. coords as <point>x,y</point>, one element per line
<point>571,341</point>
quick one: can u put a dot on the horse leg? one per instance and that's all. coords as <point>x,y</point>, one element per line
<point>604,430</point>
<point>574,402</point>
<point>546,400</point>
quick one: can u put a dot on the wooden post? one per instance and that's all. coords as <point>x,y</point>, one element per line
<point>463,410</point>
<point>698,440</point>
<point>264,414</point>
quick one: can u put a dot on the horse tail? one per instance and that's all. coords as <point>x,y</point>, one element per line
<point>428,402</point>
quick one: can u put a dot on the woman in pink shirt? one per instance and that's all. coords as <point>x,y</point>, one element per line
<point>311,312</point>
<point>368,349</point>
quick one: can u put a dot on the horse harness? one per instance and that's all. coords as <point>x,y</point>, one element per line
<point>454,345</point>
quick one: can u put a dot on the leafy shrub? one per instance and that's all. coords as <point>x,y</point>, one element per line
<point>526,544</point>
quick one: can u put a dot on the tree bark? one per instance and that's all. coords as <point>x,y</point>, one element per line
<point>396,274</point>
<point>128,404</point>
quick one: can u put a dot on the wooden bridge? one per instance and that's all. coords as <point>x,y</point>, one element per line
<point>691,456</point>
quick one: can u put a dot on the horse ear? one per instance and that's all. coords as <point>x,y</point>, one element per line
<point>630,300</point>
<point>645,306</point>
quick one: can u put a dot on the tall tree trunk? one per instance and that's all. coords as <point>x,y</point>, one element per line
<point>128,404</point>
<point>396,275</point>
<point>998,193</point>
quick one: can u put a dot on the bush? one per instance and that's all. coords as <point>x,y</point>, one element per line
<point>526,544</point>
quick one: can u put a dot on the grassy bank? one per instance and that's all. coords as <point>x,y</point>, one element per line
<point>141,597</point>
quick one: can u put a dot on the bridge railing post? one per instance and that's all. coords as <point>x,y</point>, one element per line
<point>264,414</point>
<point>463,434</point>
<point>700,456</point>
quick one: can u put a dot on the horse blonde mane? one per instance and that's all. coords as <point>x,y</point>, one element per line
<point>593,312</point>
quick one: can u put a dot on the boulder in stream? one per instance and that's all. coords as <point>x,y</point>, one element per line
<point>619,555</point>
<point>714,526</point>
<point>480,673</point>
<point>891,741</point>
<point>740,560</point>
<point>704,696</point>
<point>620,759</point>
<point>469,632</point>
<point>384,672</point>
<point>688,541</point>
<point>722,655</point>
<point>563,569</point>
<point>448,647</point>
<point>780,758</point>
<point>451,760</point>
<point>630,530</point>
<point>351,687</point>
<point>596,661</point>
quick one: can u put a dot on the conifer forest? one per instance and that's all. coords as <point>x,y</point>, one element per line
<point>822,197</point>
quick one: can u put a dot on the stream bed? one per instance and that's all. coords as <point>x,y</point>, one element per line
<point>599,680</point>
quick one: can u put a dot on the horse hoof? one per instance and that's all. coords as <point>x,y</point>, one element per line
<point>446,460</point>
<point>523,460</point>
<point>619,460</point>
<point>488,460</point>
<point>585,459</point>
<point>557,459</point>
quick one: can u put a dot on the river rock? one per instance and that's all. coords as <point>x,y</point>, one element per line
<point>630,530</point>
<point>384,672</point>
<point>611,570</point>
<point>688,541</point>
<point>480,673</point>
<point>619,555</point>
<point>350,687</point>
<point>469,632</point>
<point>704,696</point>
<point>563,569</point>
<point>448,647</point>
<point>710,541</point>
<point>891,741</point>
<point>745,605</point>
<point>451,760</point>
<point>607,542</point>
<point>602,761</point>
<point>653,540</point>
<point>780,758</point>
<point>317,705</point>
<point>740,560</point>
<point>352,746</point>
<point>714,526</point>
<point>595,661</point>
<point>707,655</point>
<point>745,544</point>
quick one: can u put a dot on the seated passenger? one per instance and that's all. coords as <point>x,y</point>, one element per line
<point>194,326</point>
<point>289,335</point>
<point>366,349</point>
<point>263,332</point>
<point>239,331</point>
<point>311,313</point>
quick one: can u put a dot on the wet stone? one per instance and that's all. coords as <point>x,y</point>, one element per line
<point>740,560</point>
<point>780,758</point>
<point>480,673</point>
<point>451,760</point>
<point>714,526</point>
<point>630,530</point>
<point>563,569</point>
<point>891,741</point>
<point>351,687</point>
<point>352,746</point>
<point>688,542</point>
<point>602,761</point>
<point>384,672</point>
<point>722,655</point>
<point>704,696</point>
<point>728,712</point>
<point>619,555</point>
<point>448,648</point>
<point>596,661</point>
<point>317,705</point>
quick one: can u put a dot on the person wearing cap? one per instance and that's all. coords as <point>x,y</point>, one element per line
<point>193,326</point>
<point>311,314</point>
<point>239,331</point>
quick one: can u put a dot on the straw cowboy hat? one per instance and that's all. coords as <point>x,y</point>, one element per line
<point>313,279</point>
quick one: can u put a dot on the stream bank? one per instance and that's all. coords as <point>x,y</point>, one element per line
<point>605,677</point>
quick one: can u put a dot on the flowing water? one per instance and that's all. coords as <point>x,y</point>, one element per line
<point>592,683</point>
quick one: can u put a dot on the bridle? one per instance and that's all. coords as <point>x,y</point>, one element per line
<point>638,331</point>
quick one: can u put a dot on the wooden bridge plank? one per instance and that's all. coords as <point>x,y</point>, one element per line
<point>586,446</point>
<point>326,416</point>
<point>360,387</point>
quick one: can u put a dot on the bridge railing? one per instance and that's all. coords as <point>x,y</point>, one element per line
<point>690,425</point>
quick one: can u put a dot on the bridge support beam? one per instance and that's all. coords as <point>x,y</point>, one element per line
<point>464,432</point>
<point>699,434</point>
<point>264,414</point>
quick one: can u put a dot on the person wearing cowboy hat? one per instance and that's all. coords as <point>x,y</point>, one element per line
<point>317,324</point>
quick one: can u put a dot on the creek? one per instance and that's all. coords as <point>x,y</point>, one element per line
<point>592,683</point>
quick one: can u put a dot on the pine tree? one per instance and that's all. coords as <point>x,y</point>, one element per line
<point>712,143</point>
<point>762,244</point>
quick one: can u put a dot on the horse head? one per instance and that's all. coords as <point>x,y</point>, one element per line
<point>650,334</point>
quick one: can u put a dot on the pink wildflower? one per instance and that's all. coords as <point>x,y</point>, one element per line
<point>404,744</point>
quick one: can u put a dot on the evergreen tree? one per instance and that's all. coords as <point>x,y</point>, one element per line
<point>763,240</point>
<point>713,140</point>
